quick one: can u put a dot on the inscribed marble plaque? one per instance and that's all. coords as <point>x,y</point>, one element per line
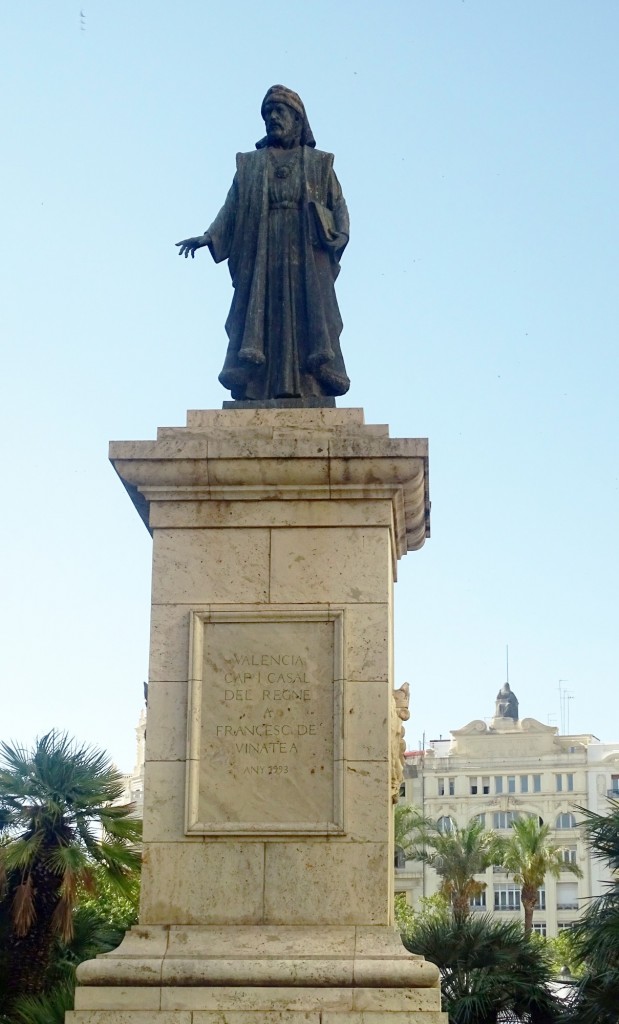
<point>265,725</point>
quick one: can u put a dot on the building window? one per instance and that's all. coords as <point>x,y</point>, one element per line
<point>541,898</point>
<point>565,783</point>
<point>452,786</point>
<point>445,824</point>
<point>537,783</point>
<point>564,926</point>
<point>511,783</point>
<point>568,854</point>
<point>614,787</point>
<point>565,820</point>
<point>539,927</point>
<point>441,787</point>
<point>485,785</point>
<point>504,819</point>
<point>507,896</point>
<point>399,859</point>
<point>567,896</point>
<point>481,819</point>
<point>478,902</point>
<point>524,783</point>
<point>498,783</point>
<point>473,785</point>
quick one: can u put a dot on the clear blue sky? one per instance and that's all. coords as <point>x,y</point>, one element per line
<point>477,146</point>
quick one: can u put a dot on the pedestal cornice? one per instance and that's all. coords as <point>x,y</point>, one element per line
<point>300,455</point>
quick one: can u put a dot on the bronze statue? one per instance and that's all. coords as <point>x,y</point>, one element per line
<point>506,703</point>
<point>283,228</point>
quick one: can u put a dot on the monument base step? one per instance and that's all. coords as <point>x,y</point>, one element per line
<point>260,1005</point>
<point>258,975</point>
<point>264,1017</point>
<point>199,956</point>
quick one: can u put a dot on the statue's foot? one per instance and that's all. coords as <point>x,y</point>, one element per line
<point>334,383</point>
<point>235,381</point>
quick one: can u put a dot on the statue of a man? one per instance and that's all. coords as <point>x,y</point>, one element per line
<point>283,228</point>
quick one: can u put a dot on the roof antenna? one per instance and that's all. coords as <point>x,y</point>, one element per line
<point>507,663</point>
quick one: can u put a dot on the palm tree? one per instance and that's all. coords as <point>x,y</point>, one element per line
<point>94,932</point>
<point>407,823</point>
<point>597,932</point>
<point>457,855</point>
<point>489,969</point>
<point>529,856</point>
<point>58,822</point>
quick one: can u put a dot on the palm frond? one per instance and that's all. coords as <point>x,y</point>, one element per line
<point>487,968</point>
<point>70,859</point>
<point>62,917</point>
<point>23,909</point>
<point>24,851</point>
<point>45,1009</point>
<point>602,832</point>
<point>118,855</point>
<point>121,827</point>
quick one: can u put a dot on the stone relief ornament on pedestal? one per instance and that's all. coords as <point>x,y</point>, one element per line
<point>399,715</point>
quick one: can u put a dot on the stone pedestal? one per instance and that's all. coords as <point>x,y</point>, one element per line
<point>268,855</point>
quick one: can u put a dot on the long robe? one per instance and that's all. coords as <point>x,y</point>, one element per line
<point>283,228</point>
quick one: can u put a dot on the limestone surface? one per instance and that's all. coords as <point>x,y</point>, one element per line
<point>268,854</point>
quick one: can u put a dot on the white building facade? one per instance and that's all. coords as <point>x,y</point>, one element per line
<point>134,783</point>
<point>498,771</point>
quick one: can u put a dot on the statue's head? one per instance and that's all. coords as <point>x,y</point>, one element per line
<point>285,119</point>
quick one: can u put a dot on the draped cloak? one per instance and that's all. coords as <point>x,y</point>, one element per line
<point>283,228</point>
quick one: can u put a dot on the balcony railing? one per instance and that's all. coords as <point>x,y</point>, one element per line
<point>568,906</point>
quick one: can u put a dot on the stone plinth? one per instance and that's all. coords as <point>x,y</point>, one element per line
<point>268,881</point>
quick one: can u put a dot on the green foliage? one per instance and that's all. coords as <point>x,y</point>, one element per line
<point>564,951</point>
<point>529,855</point>
<point>602,832</point>
<point>63,835</point>
<point>597,933</point>
<point>457,855</point>
<point>49,1008</point>
<point>487,968</point>
<point>93,934</point>
<point>98,928</point>
<point>118,908</point>
<point>407,823</point>
<point>434,906</point>
<point>428,907</point>
<point>404,913</point>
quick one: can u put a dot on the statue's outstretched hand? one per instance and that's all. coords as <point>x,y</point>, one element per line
<point>189,245</point>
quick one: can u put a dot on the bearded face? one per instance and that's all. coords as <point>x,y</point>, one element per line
<point>282,123</point>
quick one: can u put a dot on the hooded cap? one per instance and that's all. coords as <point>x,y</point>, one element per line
<point>280,94</point>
